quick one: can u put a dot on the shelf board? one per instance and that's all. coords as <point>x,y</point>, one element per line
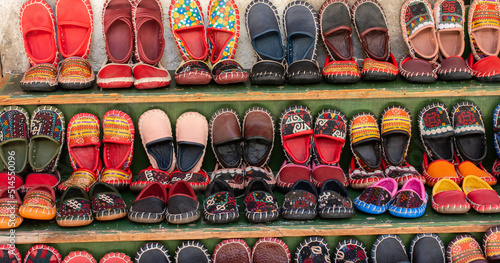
<point>12,94</point>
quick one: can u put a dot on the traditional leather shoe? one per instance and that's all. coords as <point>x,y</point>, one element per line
<point>301,201</point>
<point>260,204</point>
<point>359,178</point>
<point>232,250</point>
<point>351,250</point>
<point>427,248</point>
<point>290,173</point>
<point>75,208</point>
<point>486,69</point>
<point>191,133</point>
<point>480,194</point>
<point>389,249</point>
<point>9,210</point>
<point>258,136</point>
<point>417,70</point>
<point>365,141</point>
<point>107,203</point>
<point>152,252</point>
<point>433,171</point>
<point>270,249</point>
<point>296,132</point>
<point>14,142</point>
<point>219,205</point>
<point>334,200</point>
<point>43,252</point>
<point>312,249</point>
<point>115,257</point>
<point>464,247</point>
<point>329,136</point>
<point>150,205</point>
<point>183,206</point>
<point>376,198</point>
<point>225,136</point>
<point>410,201</point>
<point>470,136</point>
<point>483,24</point>
<point>436,131</point>
<point>490,244</point>
<point>191,251</point>
<point>448,198</point>
<point>467,168</point>
<point>395,134</point>
<point>79,257</point>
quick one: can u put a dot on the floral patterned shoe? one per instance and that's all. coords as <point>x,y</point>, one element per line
<point>260,204</point>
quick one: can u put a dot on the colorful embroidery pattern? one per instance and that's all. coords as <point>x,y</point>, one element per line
<point>342,68</point>
<point>76,70</point>
<point>364,126</point>
<point>41,73</point>
<point>463,249</point>
<point>118,128</point>
<point>396,119</point>
<point>334,200</point>
<point>76,207</point>
<point>300,200</point>
<point>491,242</point>
<point>82,178</point>
<point>295,121</point>
<point>260,202</point>
<point>39,199</point>
<point>435,121</point>
<point>108,202</point>
<point>350,250</point>
<point>14,123</point>
<point>313,250</point>
<point>375,195</point>
<point>417,15</point>
<point>407,199</point>
<point>371,65</point>
<point>221,202</point>
<point>153,175</point>
<point>467,119</point>
<point>450,14</point>
<point>482,14</point>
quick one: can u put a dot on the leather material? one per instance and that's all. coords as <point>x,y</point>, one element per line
<point>370,22</point>
<point>389,249</point>
<point>232,251</point>
<point>118,30</point>
<point>267,72</point>
<point>453,197</point>
<point>229,71</point>
<point>486,69</point>
<point>454,68</point>
<point>303,72</point>
<point>484,197</point>
<point>335,21</point>
<point>418,70</point>
<point>226,138</point>
<point>74,27</point>
<point>113,76</point>
<point>267,252</point>
<point>148,27</point>
<point>258,130</point>
<point>428,248</point>
<point>193,72</point>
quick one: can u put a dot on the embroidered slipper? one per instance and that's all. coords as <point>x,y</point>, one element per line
<point>418,28</point>
<point>322,172</point>
<point>365,141</point>
<point>10,254</point>
<point>47,133</point>
<point>42,253</point>
<point>260,204</point>
<point>290,173</point>
<point>495,169</point>
<point>263,28</point>
<point>258,136</point>
<point>395,134</point>
<point>437,170</point>
<point>152,252</point>
<point>74,208</point>
<point>149,176</point>
<point>183,206</point>
<point>376,70</point>
<point>483,25</point>
<point>225,137</point>
<point>496,129</point>
<point>39,203</point>
<point>485,70</point>
<point>197,180</point>
<point>490,244</point>
<point>157,139</point>
<point>79,257</point>
<point>467,168</point>
<point>389,247</point>
<point>266,174</point>
<point>37,24</point>
<point>296,134</point>
<point>223,32</point>
<point>107,203</point>
<point>402,173</point>
<point>220,205</point>
<point>235,250</point>
<point>410,201</point>
<point>75,73</point>
<point>14,139</point>
<point>268,249</point>
<point>187,25</point>
<point>301,201</point>
<point>359,178</point>
<point>235,177</point>
<point>51,180</point>
<point>83,142</point>
<point>470,136</point>
<point>115,257</point>
<point>312,249</point>
<point>427,248</point>
<point>350,250</point>
<point>464,248</point>
<point>334,200</point>
<point>118,36</point>
<point>376,198</point>
<point>329,136</point>
<point>118,150</point>
<point>341,72</point>
<point>192,251</point>
<point>482,197</point>
<point>191,133</point>
<point>417,70</point>
<point>301,30</point>
<point>436,132</point>
<point>9,211</point>
<point>150,205</point>
<point>448,198</point>
<point>82,177</point>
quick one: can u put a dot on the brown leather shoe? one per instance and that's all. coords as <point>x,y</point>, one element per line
<point>258,133</point>
<point>417,70</point>
<point>225,135</point>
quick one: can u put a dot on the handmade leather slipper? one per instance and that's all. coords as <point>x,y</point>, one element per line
<point>42,253</point>
<point>150,205</point>
<point>47,133</point>
<point>119,39</point>
<point>14,140</point>
<point>197,180</point>
<point>483,25</point>
<point>418,28</point>
<point>365,141</point>
<point>334,200</point>
<point>376,198</point>
<point>260,204</point>
<point>470,136</point>
<point>388,247</point>
<point>264,173</point>
<point>433,171</point>
<point>37,24</point>
<point>115,257</point>
<point>467,168</point>
<point>191,251</point>
<point>482,197</point>
<point>270,249</point>
<point>107,203</point>
<point>296,134</point>
<point>301,30</point>
<point>235,177</point>
<point>263,29</point>
<point>342,72</point>
<point>74,208</point>
<point>380,70</point>
<point>417,70</point>
<point>183,206</point>
<point>232,250</point>
<point>464,247</point>
<point>9,211</point>
<point>322,172</point>
<point>329,136</point>
<point>359,178</point>
<point>118,150</point>
<point>81,177</point>
<point>426,248</point>
<point>436,131</point>
<point>193,72</point>
<point>75,73</point>
<point>220,205</point>
<point>83,141</point>
<point>402,173</point>
<point>410,201</point>
<point>157,139</point>
<point>152,252</point>
<point>225,137</point>
<point>258,136</point>
<point>15,181</point>
<point>79,257</point>
<point>290,173</point>
<point>351,250</point>
<point>490,244</point>
<point>448,198</point>
<point>9,254</point>
<point>395,134</point>
<point>301,201</point>
<point>191,133</point>
<point>312,249</point>
<point>35,179</point>
<point>39,203</point>
<point>149,176</point>
<point>486,69</point>
<point>223,32</point>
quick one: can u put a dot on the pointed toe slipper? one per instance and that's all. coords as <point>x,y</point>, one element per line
<point>329,136</point>
<point>436,131</point>
<point>258,136</point>
<point>150,205</point>
<point>75,208</point>
<point>470,136</point>
<point>410,201</point>
<point>107,203</point>
<point>225,136</point>
<point>14,140</point>
<point>376,198</point>
<point>365,141</point>
<point>448,198</point>
<point>396,134</point>
<point>192,135</point>
<point>296,134</point>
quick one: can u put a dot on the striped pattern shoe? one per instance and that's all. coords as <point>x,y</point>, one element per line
<point>491,244</point>
<point>39,203</point>
<point>463,249</point>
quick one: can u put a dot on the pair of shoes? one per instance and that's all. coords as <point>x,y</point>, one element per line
<point>370,23</point>
<point>21,143</point>
<point>233,144</point>
<point>466,247</point>
<point>303,202</point>
<point>84,256</point>
<point>268,249</point>
<point>462,140</point>
<point>74,33</point>
<point>133,27</point>
<point>84,144</point>
<point>409,202</point>
<point>186,252</point>
<point>150,206</point>
<point>157,139</point>
<point>223,32</point>
<point>301,142</point>
<point>301,31</point>
<point>424,248</point>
